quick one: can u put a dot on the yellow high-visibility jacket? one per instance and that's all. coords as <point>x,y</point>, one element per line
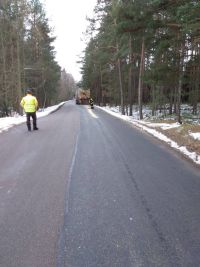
<point>29,103</point>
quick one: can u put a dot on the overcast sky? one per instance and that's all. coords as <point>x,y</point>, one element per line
<point>68,18</point>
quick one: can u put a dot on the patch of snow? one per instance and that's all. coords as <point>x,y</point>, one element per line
<point>166,126</point>
<point>8,122</point>
<point>163,126</point>
<point>196,136</point>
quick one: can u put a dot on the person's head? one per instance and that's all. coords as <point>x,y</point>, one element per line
<point>29,91</point>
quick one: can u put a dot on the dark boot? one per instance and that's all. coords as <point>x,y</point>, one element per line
<point>34,121</point>
<point>29,127</point>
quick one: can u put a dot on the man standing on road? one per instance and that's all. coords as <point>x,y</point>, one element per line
<point>91,102</point>
<point>30,106</point>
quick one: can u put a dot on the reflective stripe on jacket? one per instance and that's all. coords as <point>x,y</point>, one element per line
<point>29,103</point>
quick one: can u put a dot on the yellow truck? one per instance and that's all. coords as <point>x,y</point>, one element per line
<point>82,97</point>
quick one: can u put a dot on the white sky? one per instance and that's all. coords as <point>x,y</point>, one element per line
<point>68,18</point>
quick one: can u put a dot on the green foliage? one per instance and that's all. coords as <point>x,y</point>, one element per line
<point>27,57</point>
<point>170,30</point>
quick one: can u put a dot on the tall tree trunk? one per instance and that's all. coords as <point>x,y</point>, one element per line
<point>175,99</point>
<point>19,94</point>
<point>130,78</point>
<point>101,86</point>
<point>4,77</point>
<point>121,86</point>
<point>170,103</point>
<point>17,28</point>
<point>195,89</point>
<point>140,85</point>
<point>120,83</point>
<point>153,100</point>
<point>180,83</point>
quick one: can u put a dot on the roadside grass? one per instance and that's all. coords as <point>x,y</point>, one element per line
<point>181,134</point>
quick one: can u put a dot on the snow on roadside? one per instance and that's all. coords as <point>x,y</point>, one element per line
<point>8,122</point>
<point>196,136</point>
<point>144,126</point>
<point>48,110</point>
<point>163,126</point>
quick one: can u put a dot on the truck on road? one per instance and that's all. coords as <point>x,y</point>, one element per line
<point>82,97</point>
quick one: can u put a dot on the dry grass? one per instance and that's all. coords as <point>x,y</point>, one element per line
<point>181,136</point>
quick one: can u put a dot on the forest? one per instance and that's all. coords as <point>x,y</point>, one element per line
<point>144,52</point>
<point>27,57</point>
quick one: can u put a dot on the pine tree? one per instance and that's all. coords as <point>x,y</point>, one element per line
<point>150,45</point>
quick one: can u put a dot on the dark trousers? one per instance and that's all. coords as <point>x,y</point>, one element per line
<point>30,115</point>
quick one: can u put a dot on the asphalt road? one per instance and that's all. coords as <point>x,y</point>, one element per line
<point>89,190</point>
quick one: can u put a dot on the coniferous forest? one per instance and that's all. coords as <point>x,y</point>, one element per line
<point>27,57</point>
<point>141,52</point>
<point>144,52</point>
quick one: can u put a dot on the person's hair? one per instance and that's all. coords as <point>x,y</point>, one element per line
<point>28,91</point>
